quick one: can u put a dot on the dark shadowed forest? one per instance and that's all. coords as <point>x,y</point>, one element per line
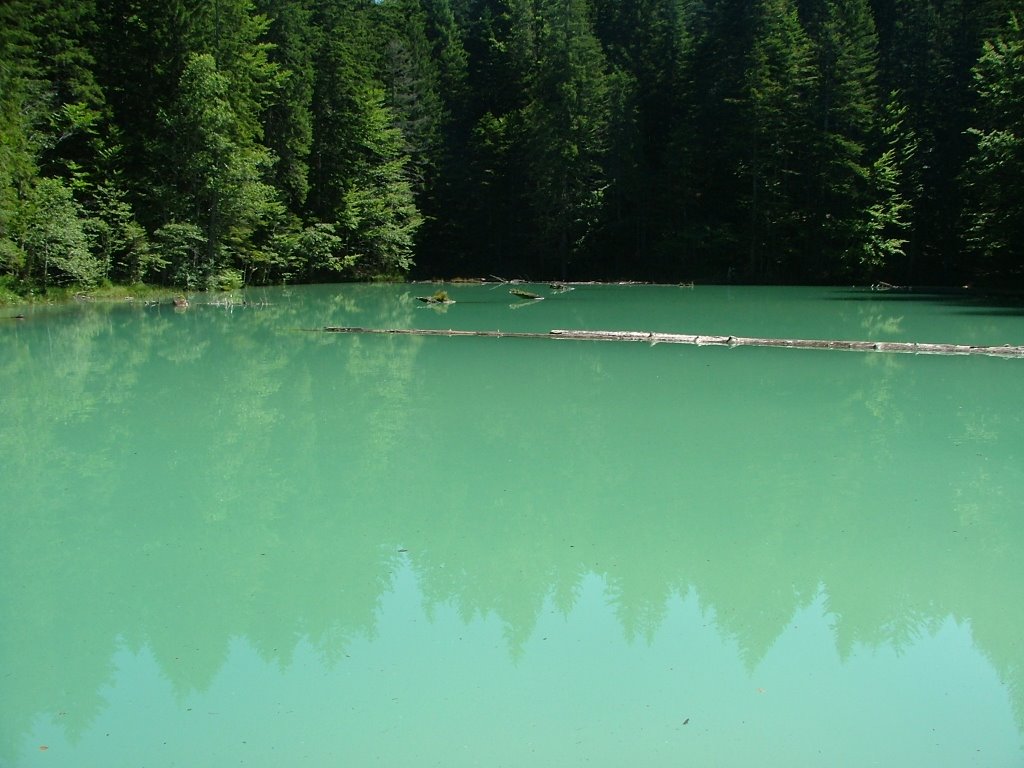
<point>218,143</point>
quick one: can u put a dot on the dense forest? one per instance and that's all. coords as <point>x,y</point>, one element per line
<point>216,143</point>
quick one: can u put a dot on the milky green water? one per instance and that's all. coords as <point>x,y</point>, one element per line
<point>227,541</point>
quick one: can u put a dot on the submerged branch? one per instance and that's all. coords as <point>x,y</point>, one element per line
<point>704,341</point>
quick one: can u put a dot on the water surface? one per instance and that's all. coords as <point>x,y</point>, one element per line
<point>228,540</point>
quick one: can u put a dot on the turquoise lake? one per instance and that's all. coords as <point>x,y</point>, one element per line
<point>228,538</point>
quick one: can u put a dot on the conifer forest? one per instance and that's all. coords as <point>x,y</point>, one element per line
<point>220,143</point>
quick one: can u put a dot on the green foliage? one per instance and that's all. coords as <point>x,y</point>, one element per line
<point>995,175</point>
<point>183,255</point>
<point>120,244</point>
<point>362,182</point>
<point>567,130</point>
<point>780,80</point>
<point>884,223</point>
<point>52,237</point>
<point>316,252</point>
<point>287,119</point>
<point>667,139</point>
<point>220,167</point>
<point>228,280</point>
<point>412,76</point>
<point>845,116</point>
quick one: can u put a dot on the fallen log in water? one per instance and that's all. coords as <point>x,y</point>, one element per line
<point>706,341</point>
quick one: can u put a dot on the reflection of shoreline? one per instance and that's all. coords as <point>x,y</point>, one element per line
<point>433,687</point>
<point>285,460</point>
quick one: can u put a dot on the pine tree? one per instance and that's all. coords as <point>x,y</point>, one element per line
<point>411,78</point>
<point>218,184</point>
<point>443,243</point>
<point>928,50</point>
<point>882,233</point>
<point>780,82</point>
<point>724,33</point>
<point>846,112</point>
<point>649,47</point>
<point>360,178</point>
<point>20,109</point>
<point>995,174</point>
<point>501,42</point>
<point>567,123</point>
<point>48,229</point>
<point>287,117</point>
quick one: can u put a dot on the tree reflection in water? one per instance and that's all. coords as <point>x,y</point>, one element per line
<point>193,498</point>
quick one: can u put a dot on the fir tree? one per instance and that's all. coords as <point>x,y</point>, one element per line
<point>995,174</point>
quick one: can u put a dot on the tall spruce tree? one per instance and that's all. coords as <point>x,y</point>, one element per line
<point>995,174</point>
<point>20,109</point>
<point>219,170</point>
<point>928,49</point>
<point>880,237</point>
<point>53,143</point>
<point>444,243</point>
<point>411,78</point>
<point>846,112</point>
<point>780,82</point>
<point>724,43</point>
<point>648,46</point>
<point>567,124</point>
<point>501,43</point>
<point>361,185</point>
<point>287,118</point>
<point>800,140</point>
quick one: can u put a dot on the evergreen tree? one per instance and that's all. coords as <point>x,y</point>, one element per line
<point>287,119</point>
<point>724,33</point>
<point>649,47</point>
<point>20,110</point>
<point>995,174</point>
<point>846,112</point>
<point>780,82</point>
<point>141,53</point>
<point>449,52</point>
<point>667,139</point>
<point>501,43</point>
<point>411,77</point>
<point>928,50</point>
<point>567,123</point>
<point>361,181</point>
<point>882,234</point>
<point>49,232</point>
<point>218,182</point>
<point>444,242</point>
<point>76,104</point>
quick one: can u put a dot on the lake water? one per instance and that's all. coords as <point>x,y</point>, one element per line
<point>226,540</point>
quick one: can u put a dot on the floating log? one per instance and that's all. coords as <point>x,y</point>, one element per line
<point>525,294</point>
<point>649,337</point>
<point>438,297</point>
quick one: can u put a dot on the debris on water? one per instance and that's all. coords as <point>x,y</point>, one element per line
<point>525,294</point>
<point>438,297</point>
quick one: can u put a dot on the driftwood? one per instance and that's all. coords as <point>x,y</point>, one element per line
<point>438,297</point>
<point>530,295</point>
<point>707,341</point>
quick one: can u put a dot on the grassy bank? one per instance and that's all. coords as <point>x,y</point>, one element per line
<point>59,295</point>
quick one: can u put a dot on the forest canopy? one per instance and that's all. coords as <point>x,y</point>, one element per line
<point>218,143</point>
